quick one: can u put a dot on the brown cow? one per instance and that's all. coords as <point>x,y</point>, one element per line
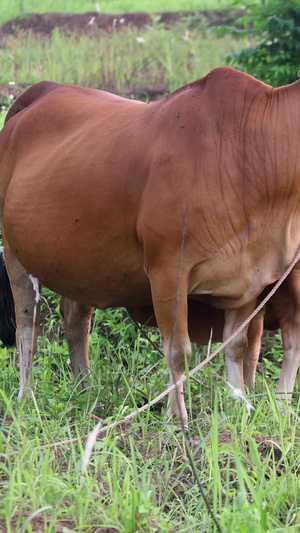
<point>96,192</point>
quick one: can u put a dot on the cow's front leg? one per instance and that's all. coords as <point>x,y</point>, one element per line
<point>286,305</point>
<point>255,331</point>
<point>170,305</point>
<point>236,349</point>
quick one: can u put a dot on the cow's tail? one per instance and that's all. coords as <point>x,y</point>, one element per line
<point>7,308</point>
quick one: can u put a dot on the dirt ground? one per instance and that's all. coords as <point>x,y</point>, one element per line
<point>87,22</point>
<point>92,22</point>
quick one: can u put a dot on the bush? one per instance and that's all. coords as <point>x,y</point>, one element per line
<point>275,27</point>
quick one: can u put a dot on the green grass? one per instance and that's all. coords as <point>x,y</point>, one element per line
<point>139,478</point>
<point>19,8</point>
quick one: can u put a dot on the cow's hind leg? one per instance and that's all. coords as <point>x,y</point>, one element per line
<point>170,305</point>
<point>77,320</point>
<point>27,310</point>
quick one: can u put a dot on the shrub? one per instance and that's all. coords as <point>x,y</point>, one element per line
<point>274,26</point>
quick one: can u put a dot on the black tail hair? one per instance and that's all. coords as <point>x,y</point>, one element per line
<point>7,308</point>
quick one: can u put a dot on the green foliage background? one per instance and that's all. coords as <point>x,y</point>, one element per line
<point>274,27</point>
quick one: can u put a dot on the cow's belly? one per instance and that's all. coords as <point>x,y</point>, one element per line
<point>108,277</point>
<point>77,252</point>
<point>101,280</point>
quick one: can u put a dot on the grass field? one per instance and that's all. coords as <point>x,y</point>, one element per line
<point>139,478</point>
<point>124,58</point>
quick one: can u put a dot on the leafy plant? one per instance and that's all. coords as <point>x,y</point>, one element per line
<point>274,26</point>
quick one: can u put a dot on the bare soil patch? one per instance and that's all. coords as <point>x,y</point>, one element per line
<point>88,22</point>
<point>38,525</point>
